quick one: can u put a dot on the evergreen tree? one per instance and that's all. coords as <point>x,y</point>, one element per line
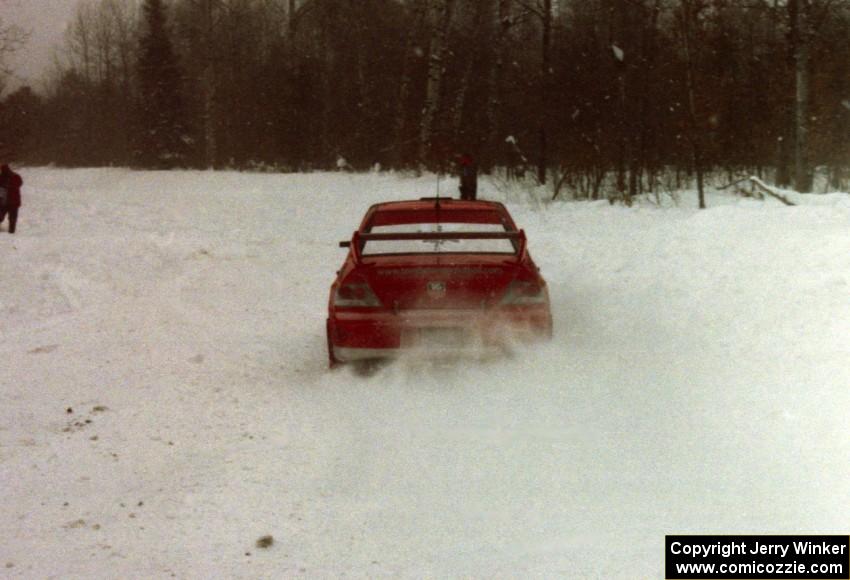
<point>162,133</point>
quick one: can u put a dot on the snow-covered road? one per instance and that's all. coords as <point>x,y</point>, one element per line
<point>165,401</point>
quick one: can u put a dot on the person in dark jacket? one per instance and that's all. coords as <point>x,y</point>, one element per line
<point>10,189</point>
<point>468,172</point>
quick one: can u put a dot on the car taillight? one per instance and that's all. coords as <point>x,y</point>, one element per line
<point>355,294</point>
<point>523,292</point>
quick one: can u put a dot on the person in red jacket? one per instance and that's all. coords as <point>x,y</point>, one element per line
<point>10,189</point>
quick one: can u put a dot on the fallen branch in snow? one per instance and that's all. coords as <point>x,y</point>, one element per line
<point>769,190</point>
<point>762,186</point>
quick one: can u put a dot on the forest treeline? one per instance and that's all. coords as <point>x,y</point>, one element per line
<point>583,89</point>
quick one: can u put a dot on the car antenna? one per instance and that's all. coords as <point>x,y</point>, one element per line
<point>437,201</point>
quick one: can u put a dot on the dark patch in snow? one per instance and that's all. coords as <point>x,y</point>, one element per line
<point>43,349</point>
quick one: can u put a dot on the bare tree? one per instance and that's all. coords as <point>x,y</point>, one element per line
<point>12,38</point>
<point>79,41</point>
<point>542,9</point>
<point>418,11</point>
<point>688,16</point>
<point>495,104</point>
<point>799,13</point>
<point>545,81</point>
<point>208,11</point>
<point>123,18</point>
<point>439,15</point>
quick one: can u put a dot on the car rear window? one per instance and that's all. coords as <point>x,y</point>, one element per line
<point>487,246</point>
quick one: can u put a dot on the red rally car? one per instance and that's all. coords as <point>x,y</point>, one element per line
<point>437,274</point>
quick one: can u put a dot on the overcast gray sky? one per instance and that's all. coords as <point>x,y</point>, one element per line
<point>46,19</point>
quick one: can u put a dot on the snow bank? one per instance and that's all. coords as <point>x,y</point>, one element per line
<point>165,399</point>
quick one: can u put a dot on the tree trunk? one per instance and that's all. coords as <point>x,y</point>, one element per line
<point>623,152</point>
<point>420,8</point>
<point>440,16</point>
<point>785,140</point>
<point>495,115</point>
<point>799,16</point>
<point>688,20</point>
<point>619,24</point>
<point>545,65</point>
<point>208,83</point>
<point>646,153</point>
<point>467,135</point>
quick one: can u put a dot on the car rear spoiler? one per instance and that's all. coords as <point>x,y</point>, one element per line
<point>358,239</point>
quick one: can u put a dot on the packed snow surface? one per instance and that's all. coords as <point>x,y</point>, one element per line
<point>165,399</point>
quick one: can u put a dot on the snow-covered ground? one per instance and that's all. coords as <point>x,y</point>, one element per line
<point>165,399</point>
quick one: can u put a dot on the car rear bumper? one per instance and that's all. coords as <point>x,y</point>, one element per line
<point>367,335</point>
